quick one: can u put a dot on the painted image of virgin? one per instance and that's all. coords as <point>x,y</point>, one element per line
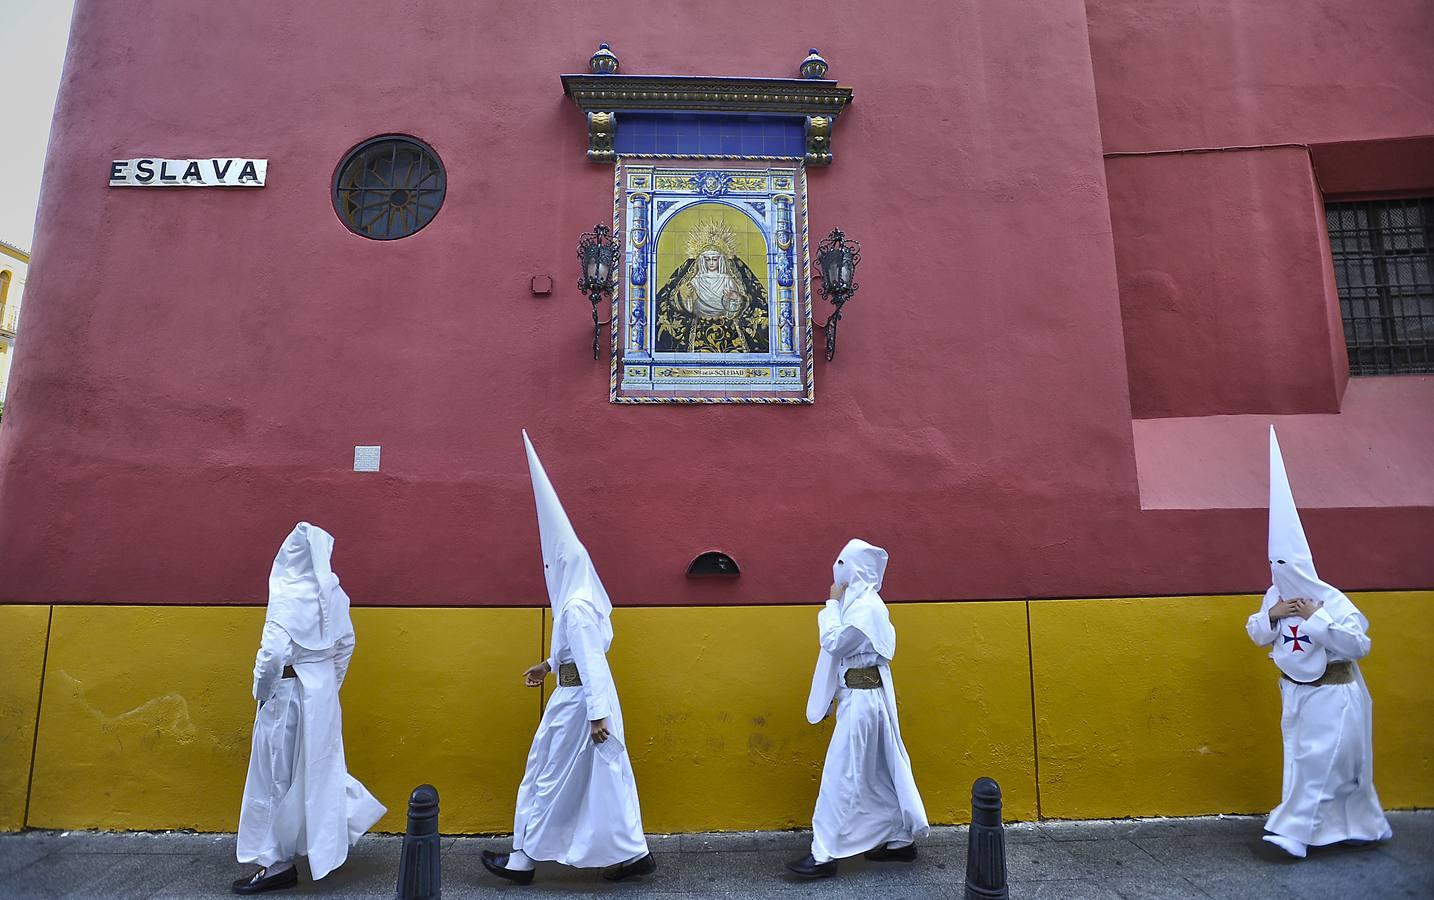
<point>712,303</point>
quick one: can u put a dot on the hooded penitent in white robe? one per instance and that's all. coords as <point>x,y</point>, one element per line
<point>299,798</point>
<point>1328,792</point>
<point>868,796</point>
<point>577,803</point>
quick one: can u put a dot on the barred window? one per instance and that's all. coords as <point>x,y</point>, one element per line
<point>389,187</point>
<point>1383,259</point>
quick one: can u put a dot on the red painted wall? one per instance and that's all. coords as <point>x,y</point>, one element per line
<point>1175,74</point>
<point>1226,306</point>
<point>198,365</point>
<point>1399,167</point>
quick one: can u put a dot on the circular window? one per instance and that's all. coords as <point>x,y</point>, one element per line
<point>389,187</point>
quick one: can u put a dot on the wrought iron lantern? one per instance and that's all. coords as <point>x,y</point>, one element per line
<point>837,257</point>
<point>597,253</point>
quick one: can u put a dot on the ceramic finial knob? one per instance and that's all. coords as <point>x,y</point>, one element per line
<point>604,61</point>
<point>814,66</point>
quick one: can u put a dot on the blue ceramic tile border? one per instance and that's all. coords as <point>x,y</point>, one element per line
<point>725,135</point>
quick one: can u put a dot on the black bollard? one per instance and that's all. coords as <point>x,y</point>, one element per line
<point>986,850</point>
<point>418,875</point>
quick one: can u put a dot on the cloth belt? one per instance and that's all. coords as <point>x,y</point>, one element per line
<point>289,672</point>
<point>1334,673</point>
<point>863,679</point>
<point>568,675</point>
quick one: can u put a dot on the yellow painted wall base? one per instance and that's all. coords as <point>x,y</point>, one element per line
<point>1155,706</point>
<point>1403,707</point>
<point>1163,707</point>
<point>23,633</point>
<point>146,718</point>
<point>714,702</point>
<point>147,714</point>
<point>963,679</point>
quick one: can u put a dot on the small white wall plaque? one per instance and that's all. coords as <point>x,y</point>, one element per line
<point>366,459</point>
<point>222,171</point>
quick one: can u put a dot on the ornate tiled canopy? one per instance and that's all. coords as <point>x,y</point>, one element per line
<point>684,115</point>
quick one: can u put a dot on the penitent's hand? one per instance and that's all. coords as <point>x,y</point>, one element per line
<point>837,591</point>
<point>1282,609</point>
<point>1306,608</point>
<point>599,730</point>
<point>535,674</point>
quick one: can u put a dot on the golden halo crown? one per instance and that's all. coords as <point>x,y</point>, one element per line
<point>711,234</point>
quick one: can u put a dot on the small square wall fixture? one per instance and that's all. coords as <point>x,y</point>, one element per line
<point>366,457</point>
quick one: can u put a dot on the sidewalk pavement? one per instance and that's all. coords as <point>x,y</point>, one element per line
<point>1145,859</point>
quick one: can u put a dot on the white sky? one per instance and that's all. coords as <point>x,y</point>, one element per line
<point>33,34</point>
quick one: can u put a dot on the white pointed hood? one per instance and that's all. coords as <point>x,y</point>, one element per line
<point>304,594</point>
<point>567,568</point>
<point>1292,571</point>
<point>860,569</point>
<point>1292,565</point>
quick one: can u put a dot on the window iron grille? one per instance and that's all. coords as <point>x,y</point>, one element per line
<point>1384,266</point>
<point>389,187</point>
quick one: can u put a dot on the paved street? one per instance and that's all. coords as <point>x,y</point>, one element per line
<point>1158,859</point>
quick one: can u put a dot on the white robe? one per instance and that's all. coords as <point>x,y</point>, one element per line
<point>577,803</point>
<point>868,794</point>
<point>1327,795</point>
<point>298,797</point>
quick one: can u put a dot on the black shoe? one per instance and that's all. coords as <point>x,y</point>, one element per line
<point>886,854</point>
<point>645,866</point>
<point>259,882</point>
<point>497,863</point>
<point>808,867</point>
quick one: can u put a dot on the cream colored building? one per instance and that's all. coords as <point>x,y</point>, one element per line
<point>14,266</point>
